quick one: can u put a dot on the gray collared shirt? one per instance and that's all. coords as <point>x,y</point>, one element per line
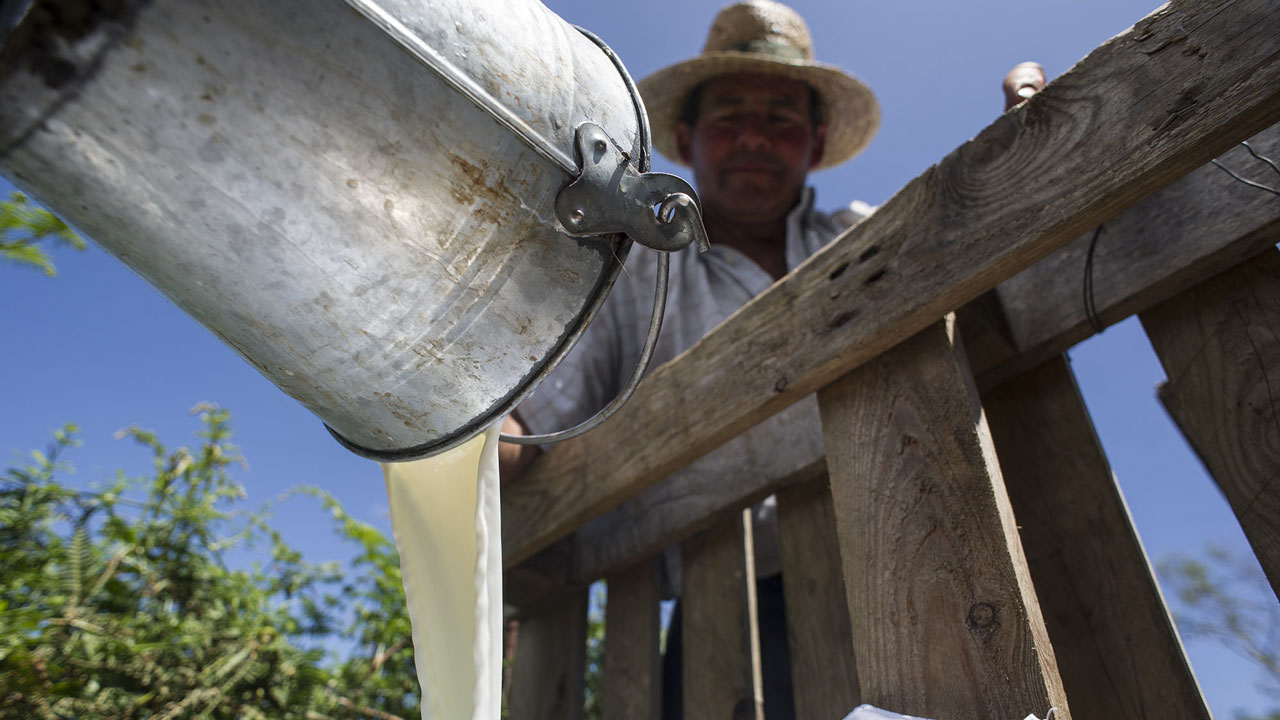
<point>705,289</point>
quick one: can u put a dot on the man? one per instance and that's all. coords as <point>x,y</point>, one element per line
<point>751,115</point>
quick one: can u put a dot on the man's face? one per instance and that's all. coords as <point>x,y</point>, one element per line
<point>752,146</point>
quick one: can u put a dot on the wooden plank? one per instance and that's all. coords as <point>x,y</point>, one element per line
<point>1202,225</point>
<point>547,678</point>
<point>542,580</point>
<point>1117,649</point>
<point>1220,347</point>
<point>662,517</point>
<point>945,620</point>
<point>824,668</point>
<point>632,675</point>
<point>985,327</point>
<point>721,654</point>
<point>1136,114</point>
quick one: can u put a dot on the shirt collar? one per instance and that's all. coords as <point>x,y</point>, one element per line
<point>797,246</point>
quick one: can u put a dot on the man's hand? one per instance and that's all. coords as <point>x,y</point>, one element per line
<point>1023,81</point>
<point>513,459</point>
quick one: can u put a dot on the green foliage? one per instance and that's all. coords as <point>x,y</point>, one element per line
<point>1226,599</point>
<point>594,681</point>
<point>117,602</point>
<point>23,226</point>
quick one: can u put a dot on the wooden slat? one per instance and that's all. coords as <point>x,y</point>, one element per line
<point>1220,347</point>
<point>824,668</point>
<point>653,521</point>
<point>632,676</point>
<point>945,620</point>
<point>721,656</point>
<point>1117,650</point>
<point>1202,225</point>
<point>548,675</point>
<point>1135,115</point>
<point>542,580</point>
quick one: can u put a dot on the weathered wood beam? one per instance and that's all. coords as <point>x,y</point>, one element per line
<point>721,654</point>
<point>1117,650</point>
<point>1220,347</point>
<point>542,580</point>
<point>1200,226</point>
<point>1143,109</point>
<point>946,623</point>
<point>645,525</point>
<point>547,677</point>
<point>823,664</point>
<point>631,676</point>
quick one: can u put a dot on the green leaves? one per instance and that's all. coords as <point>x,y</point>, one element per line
<point>1224,598</point>
<point>118,601</point>
<point>23,225</point>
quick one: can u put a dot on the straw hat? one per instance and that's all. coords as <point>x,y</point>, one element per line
<point>765,38</point>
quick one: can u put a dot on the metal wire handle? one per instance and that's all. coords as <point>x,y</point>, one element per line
<point>646,354</point>
<point>664,266</point>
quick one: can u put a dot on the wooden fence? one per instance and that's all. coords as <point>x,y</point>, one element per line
<point>909,583</point>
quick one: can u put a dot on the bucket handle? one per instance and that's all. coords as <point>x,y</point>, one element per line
<point>676,224</point>
<point>646,354</point>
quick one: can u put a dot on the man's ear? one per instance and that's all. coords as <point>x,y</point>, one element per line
<point>819,145</point>
<point>684,142</point>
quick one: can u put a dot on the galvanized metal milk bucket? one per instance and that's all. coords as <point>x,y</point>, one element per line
<point>403,213</point>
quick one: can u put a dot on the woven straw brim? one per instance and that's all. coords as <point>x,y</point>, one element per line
<point>849,108</point>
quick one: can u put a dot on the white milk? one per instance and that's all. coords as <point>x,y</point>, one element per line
<point>445,515</point>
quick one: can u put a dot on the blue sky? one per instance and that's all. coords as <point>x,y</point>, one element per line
<point>99,347</point>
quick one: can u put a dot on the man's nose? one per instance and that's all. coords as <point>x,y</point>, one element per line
<point>753,134</point>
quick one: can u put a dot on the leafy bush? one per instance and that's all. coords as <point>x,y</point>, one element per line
<point>118,602</point>
<point>24,225</point>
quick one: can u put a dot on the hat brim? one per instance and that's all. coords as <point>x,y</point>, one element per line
<point>849,108</point>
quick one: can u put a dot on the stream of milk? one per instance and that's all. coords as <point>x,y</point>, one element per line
<point>445,516</point>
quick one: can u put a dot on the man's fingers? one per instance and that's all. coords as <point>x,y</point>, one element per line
<point>1023,81</point>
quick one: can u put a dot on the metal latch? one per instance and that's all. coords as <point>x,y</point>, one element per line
<point>657,210</point>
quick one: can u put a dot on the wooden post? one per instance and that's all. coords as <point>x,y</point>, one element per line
<point>721,651</point>
<point>824,670</point>
<point>632,676</point>
<point>1220,346</point>
<point>1118,652</point>
<point>550,667</point>
<point>945,621</point>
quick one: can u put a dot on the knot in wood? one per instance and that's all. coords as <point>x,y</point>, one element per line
<point>780,384</point>
<point>981,616</point>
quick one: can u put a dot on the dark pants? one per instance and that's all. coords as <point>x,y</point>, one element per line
<point>775,658</point>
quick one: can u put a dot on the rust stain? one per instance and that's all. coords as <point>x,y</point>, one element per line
<point>399,409</point>
<point>492,197</point>
<point>211,92</point>
<point>429,350</point>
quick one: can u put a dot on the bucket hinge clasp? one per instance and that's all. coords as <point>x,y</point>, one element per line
<point>657,210</point>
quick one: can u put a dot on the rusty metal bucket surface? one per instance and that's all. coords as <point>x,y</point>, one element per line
<point>295,177</point>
